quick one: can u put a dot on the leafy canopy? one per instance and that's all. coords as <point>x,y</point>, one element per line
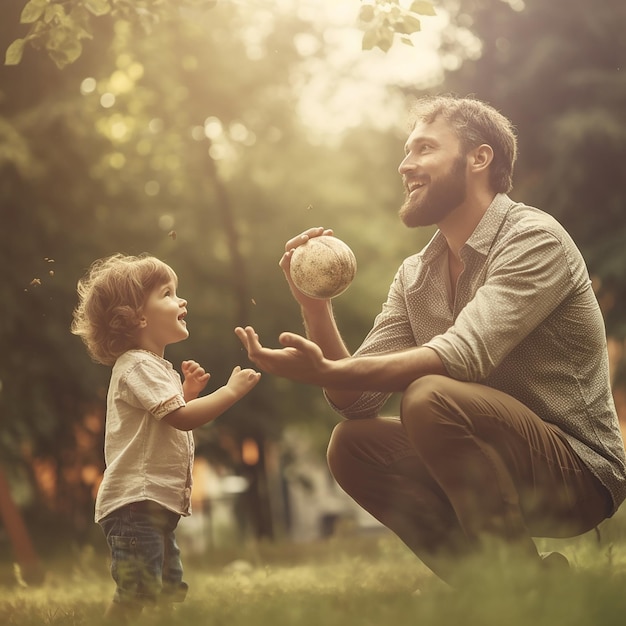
<point>60,26</point>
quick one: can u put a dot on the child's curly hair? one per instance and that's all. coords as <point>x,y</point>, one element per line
<point>111,297</point>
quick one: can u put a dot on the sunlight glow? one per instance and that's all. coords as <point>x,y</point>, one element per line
<point>155,125</point>
<point>239,133</point>
<point>197,133</point>
<point>120,82</point>
<point>166,222</point>
<point>117,160</point>
<point>353,86</point>
<point>88,86</point>
<point>119,129</point>
<point>213,128</point>
<point>143,147</point>
<point>107,100</point>
<point>350,86</point>
<point>152,188</point>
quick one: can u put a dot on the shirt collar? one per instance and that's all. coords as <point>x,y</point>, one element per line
<point>484,234</point>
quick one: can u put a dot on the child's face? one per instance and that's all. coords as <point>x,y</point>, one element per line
<point>163,318</point>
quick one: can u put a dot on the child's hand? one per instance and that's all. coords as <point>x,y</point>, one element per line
<point>195,379</point>
<point>242,381</point>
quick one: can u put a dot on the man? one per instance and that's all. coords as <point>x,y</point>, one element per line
<point>507,427</point>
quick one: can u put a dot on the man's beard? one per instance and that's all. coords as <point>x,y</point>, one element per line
<point>439,199</point>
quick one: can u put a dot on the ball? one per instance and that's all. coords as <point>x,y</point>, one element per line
<point>323,267</point>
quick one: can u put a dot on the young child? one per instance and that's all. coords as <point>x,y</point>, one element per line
<point>128,312</point>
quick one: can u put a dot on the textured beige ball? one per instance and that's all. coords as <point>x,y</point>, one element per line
<point>323,267</point>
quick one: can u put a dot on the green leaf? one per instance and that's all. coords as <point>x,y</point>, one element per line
<point>98,7</point>
<point>423,7</point>
<point>73,51</point>
<point>37,33</point>
<point>367,13</point>
<point>81,18</point>
<point>63,49</point>
<point>53,11</point>
<point>33,11</point>
<point>14,52</point>
<point>59,58</point>
<point>63,39</point>
<point>408,25</point>
<point>81,33</point>
<point>370,39</point>
<point>385,38</point>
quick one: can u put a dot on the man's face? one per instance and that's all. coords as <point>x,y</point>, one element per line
<point>434,174</point>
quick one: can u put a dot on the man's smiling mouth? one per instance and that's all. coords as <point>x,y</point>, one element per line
<point>414,186</point>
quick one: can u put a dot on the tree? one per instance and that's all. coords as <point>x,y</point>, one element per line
<point>27,560</point>
<point>185,144</point>
<point>60,26</point>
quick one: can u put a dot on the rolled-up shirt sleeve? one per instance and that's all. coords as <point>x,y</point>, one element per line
<point>527,281</point>
<point>151,387</point>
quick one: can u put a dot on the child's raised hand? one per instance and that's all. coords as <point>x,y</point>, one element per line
<point>195,379</point>
<point>242,381</point>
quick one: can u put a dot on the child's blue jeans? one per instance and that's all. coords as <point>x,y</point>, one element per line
<point>145,559</point>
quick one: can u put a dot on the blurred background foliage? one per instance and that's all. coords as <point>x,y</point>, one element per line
<point>181,133</point>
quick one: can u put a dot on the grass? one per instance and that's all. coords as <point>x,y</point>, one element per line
<point>354,579</point>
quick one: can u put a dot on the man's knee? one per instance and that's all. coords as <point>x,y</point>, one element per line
<point>339,448</point>
<point>424,393</point>
<point>354,445</point>
<point>427,403</point>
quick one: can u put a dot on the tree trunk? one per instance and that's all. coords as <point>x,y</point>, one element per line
<point>30,567</point>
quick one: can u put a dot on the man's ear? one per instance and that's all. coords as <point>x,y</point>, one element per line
<point>142,322</point>
<point>480,158</point>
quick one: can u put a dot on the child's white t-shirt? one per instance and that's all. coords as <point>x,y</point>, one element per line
<point>145,458</point>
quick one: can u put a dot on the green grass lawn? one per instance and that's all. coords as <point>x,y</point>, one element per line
<point>350,579</point>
